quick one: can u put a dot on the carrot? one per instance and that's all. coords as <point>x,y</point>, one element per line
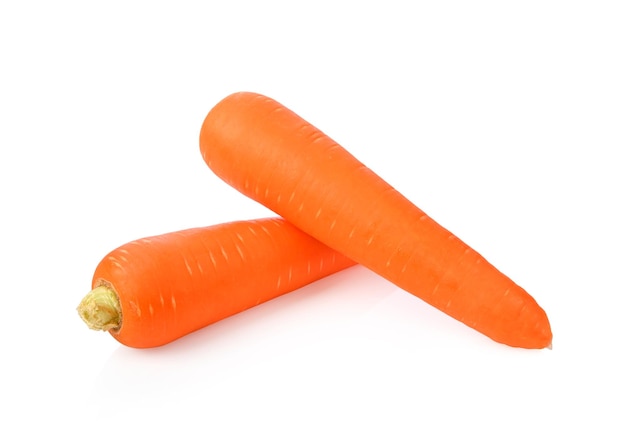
<point>154,290</point>
<point>275,157</point>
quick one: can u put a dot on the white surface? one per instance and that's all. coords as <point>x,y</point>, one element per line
<point>504,123</point>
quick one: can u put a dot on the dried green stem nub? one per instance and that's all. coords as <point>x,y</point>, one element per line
<point>100,309</point>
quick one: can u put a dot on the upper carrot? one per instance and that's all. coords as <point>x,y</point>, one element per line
<point>154,290</point>
<point>275,157</point>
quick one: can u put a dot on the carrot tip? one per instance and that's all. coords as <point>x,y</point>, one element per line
<point>100,309</point>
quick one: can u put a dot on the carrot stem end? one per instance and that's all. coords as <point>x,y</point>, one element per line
<point>100,309</point>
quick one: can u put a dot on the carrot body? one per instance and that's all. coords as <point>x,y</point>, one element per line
<point>275,157</point>
<point>173,284</point>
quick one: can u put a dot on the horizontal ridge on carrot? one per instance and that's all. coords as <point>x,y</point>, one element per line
<point>275,157</point>
<point>152,291</point>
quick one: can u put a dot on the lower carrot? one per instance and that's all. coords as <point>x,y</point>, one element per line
<point>154,290</point>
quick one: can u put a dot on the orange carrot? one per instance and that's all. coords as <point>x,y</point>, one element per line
<point>154,290</point>
<point>275,157</point>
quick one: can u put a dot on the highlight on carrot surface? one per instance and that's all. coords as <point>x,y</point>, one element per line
<point>154,290</point>
<point>275,157</point>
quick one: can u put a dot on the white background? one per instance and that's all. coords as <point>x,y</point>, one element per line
<point>505,121</point>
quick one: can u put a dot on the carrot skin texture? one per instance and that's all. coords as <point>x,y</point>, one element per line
<point>173,284</point>
<point>275,157</point>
